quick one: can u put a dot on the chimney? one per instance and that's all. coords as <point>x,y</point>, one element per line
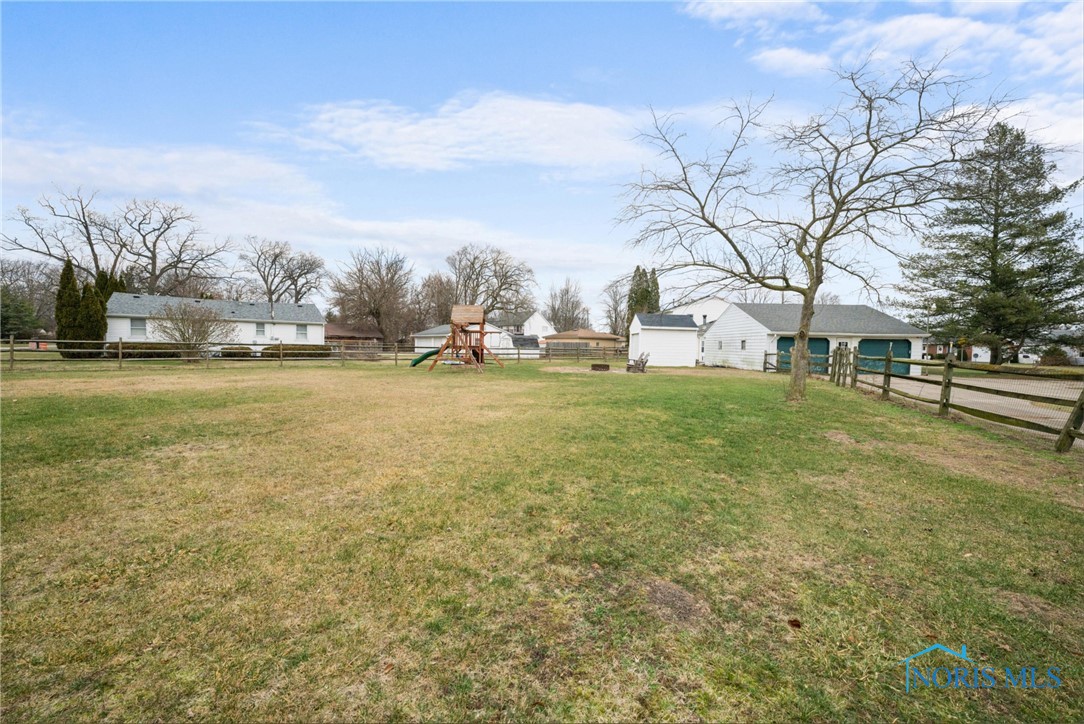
<point>705,318</point>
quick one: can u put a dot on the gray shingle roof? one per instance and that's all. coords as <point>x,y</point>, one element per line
<point>525,341</point>
<point>145,305</point>
<point>671,321</point>
<point>830,319</point>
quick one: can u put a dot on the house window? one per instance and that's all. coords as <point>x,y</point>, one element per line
<point>743,344</point>
<point>260,331</point>
<point>844,344</point>
<point>139,329</point>
<point>720,344</point>
<point>302,332</point>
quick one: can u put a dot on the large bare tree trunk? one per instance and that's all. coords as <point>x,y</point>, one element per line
<point>799,354</point>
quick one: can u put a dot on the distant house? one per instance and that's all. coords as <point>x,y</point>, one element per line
<point>744,332</point>
<point>351,334</point>
<point>527,325</point>
<point>704,312</point>
<point>498,340</point>
<point>134,318</point>
<point>670,340</point>
<point>583,339</point>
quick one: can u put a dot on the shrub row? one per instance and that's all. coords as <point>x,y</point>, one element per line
<point>144,350</point>
<point>295,351</point>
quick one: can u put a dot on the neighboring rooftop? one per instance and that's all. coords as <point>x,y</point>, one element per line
<point>334,330</point>
<point>122,304</point>
<point>668,321</point>
<point>830,319</point>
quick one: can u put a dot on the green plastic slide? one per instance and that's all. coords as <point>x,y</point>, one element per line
<point>418,360</point>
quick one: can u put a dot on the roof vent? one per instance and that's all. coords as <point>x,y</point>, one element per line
<point>135,296</point>
<point>197,301</point>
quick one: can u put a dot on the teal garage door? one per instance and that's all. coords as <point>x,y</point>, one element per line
<point>817,346</point>
<point>901,349</point>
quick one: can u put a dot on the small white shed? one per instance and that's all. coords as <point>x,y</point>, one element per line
<point>670,340</point>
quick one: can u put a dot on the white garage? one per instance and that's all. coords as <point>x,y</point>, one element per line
<point>670,340</point>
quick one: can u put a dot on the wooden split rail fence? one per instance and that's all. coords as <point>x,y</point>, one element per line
<point>847,368</point>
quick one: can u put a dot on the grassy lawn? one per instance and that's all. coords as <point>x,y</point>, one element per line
<point>380,542</point>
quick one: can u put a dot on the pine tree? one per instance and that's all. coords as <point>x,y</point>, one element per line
<point>91,321</point>
<point>654,300</point>
<point>1003,266</point>
<point>636,298</point>
<point>67,307</point>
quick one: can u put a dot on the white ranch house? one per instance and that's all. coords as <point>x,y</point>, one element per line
<point>669,340</point>
<point>133,318</point>
<point>744,332</point>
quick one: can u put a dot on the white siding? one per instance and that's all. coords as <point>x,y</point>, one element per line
<point>499,343</point>
<point>669,347</point>
<point>722,341</point>
<point>539,326</point>
<point>712,308</point>
<point>244,332</point>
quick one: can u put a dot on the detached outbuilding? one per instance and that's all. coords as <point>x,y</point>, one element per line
<point>742,335</point>
<point>670,340</point>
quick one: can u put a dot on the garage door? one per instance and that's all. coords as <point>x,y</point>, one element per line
<point>901,349</point>
<point>817,345</point>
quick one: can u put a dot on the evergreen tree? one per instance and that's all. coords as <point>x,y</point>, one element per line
<point>1003,266</point>
<point>67,307</point>
<point>16,316</point>
<point>91,321</point>
<point>653,294</point>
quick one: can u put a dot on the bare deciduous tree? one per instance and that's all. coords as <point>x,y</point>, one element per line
<point>70,229</point>
<point>278,273</point>
<point>491,277</point>
<point>851,178</point>
<point>432,301</point>
<point>826,297</point>
<point>374,288</point>
<point>194,326</point>
<point>157,247</point>
<point>565,308</point>
<point>615,299</point>
<point>163,247</point>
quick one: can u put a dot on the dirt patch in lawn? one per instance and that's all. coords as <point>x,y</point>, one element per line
<point>583,370</point>
<point>674,604</point>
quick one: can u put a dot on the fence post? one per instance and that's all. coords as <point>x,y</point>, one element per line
<point>886,384</point>
<point>519,357</point>
<point>837,367</point>
<point>120,353</point>
<point>854,368</point>
<point>11,353</point>
<point>396,348</point>
<point>1076,419</point>
<point>280,353</point>
<point>342,354</point>
<point>577,354</point>
<point>946,386</point>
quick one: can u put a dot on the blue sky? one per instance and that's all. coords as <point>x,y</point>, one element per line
<point>424,126</point>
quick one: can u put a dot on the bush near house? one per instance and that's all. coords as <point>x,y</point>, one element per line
<point>236,352</point>
<point>296,351</point>
<point>143,350</point>
<point>1054,356</point>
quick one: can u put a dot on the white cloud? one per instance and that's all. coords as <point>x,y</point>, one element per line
<point>33,166</point>
<point>759,15</point>
<point>792,61</point>
<point>1055,120</point>
<point>493,128</point>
